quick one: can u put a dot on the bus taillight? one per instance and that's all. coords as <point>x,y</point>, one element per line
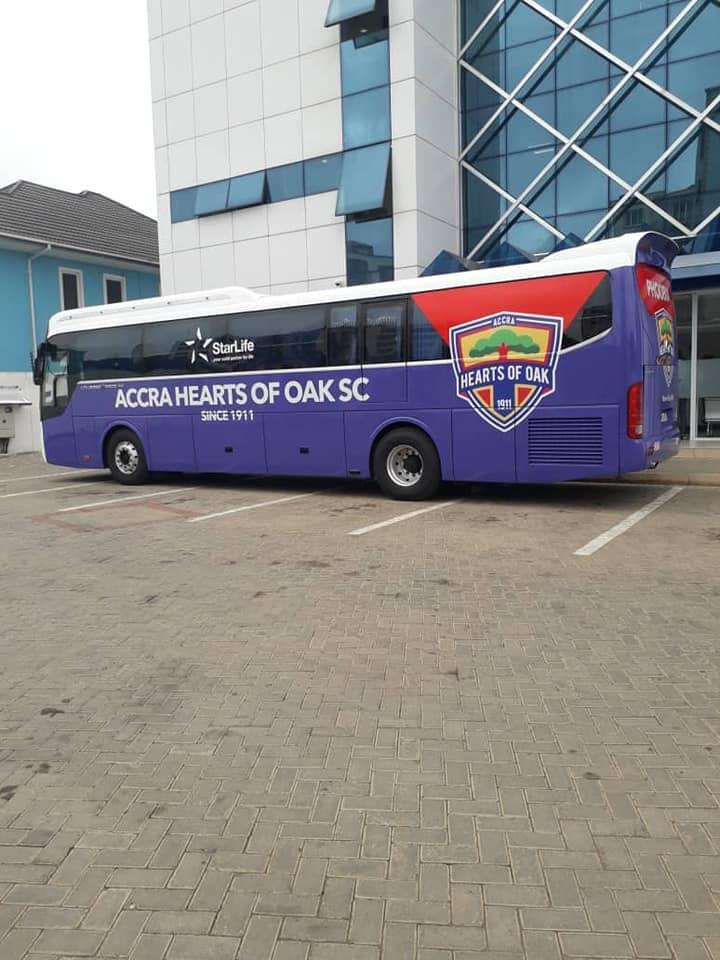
<point>635,411</point>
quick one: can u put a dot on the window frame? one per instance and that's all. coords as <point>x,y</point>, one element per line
<point>78,274</point>
<point>363,305</point>
<point>123,286</point>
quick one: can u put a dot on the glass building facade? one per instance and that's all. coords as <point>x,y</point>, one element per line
<point>590,120</point>
<point>582,121</point>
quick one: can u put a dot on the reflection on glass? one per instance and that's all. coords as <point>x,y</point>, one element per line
<point>369,245</point>
<point>366,118</point>
<point>365,62</point>
<point>708,364</point>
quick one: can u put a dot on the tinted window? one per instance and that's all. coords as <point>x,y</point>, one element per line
<point>114,290</point>
<point>110,354</point>
<point>343,336</point>
<point>181,346</point>
<point>384,332</point>
<point>425,342</point>
<point>70,283</point>
<point>594,318</point>
<point>284,339</point>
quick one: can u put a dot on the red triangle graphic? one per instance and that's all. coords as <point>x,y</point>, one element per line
<point>522,394</point>
<point>484,395</point>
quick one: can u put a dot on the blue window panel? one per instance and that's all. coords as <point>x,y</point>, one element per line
<point>182,205</point>
<point>579,64</point>
<point>697,34</point>
<point>479,103</point>
<point>363,182</point>
<point>369,246</point>
<point>580,223</point>
<point>689,187</point>
<point>483,207</point>
<point>473,14</point>
<point>575,104</point>
<point>247,191</point>
<point>322,174</point>
<point>631,36</point>
<point>365,62</point>
<point>579,182</point>
<point>366,118</point>
<point>633,151</point>
<point>695,81</point>
<point>285,183</point>
<point>341,10</point>
<point>211,198</point>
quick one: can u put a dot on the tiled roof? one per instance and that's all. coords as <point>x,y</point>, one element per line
<point>84,221</point>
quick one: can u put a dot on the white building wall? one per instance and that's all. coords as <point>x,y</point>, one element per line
<point>243,85</point>
<point>425,131</point>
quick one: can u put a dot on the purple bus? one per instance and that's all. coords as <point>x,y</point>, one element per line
<point>556,370</point>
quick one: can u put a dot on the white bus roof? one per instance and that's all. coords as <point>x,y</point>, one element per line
<point>601,255</point>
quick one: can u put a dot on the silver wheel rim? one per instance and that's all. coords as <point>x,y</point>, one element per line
<point>126,457</point>
<point>405,465</point>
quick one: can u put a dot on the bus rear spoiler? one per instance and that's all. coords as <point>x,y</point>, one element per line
<point>657,250</point>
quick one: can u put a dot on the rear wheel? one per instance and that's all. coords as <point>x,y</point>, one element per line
<point>126,458</point>
<point>406,465</point>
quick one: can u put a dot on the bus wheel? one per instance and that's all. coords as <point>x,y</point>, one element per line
<point>126,458</point>
<point>406,465</point>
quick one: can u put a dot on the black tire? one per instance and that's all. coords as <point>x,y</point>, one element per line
<point>406,465</point>
<point>126,459</point>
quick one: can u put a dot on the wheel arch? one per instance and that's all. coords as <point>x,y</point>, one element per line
<point>387,427</point>
<point>114,428</point>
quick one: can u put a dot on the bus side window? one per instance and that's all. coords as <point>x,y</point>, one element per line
<point>115,352</point>
<point>384,339</point>
<point>425,342</point>
<point>594,318</point>
<point>169,347</point>
<point>343,336</point>
<point>286,339</point>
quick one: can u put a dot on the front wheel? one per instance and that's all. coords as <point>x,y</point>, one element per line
<point>126,458</point>
<point>406,465</point>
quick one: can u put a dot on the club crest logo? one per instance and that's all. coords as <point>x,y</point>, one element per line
<point>505,365</point>
<point>666,343</point>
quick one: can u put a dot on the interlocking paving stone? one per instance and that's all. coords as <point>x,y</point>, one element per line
<point>266,744</point>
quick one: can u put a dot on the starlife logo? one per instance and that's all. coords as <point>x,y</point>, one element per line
<point>219,351</point>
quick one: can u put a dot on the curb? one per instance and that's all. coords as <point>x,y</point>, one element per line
<point>702,480</point>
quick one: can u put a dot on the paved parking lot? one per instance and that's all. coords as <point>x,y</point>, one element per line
<point>252,719</point>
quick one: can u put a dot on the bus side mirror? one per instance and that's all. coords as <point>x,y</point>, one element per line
<point>38,365</point>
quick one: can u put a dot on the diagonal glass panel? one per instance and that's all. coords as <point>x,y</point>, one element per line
<point>341,10</point>
<point>695,81</point>
<point>249,190</point>
<point>479,103</point>
<point>631,35</point>
<point>688,187</point>
<point>211,198</point>
<point>696,35</point>
<point>513,151</point>
<point>364,179</point>
<point>473,12</point>
<point>510,44</point>
<point>483,207</point>
<point>636,216</point>
<point>523,234</point>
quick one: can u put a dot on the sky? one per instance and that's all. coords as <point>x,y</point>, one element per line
<point>76,104</point>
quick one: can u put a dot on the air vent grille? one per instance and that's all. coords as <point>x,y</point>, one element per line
<point>566,440</point>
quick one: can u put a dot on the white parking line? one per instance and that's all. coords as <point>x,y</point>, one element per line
<point>31,493</point>
<point>107,503</point>
<point>599,542</point>
<point>251,506</point>
<point>43,476</point>
<point>401,518</point>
